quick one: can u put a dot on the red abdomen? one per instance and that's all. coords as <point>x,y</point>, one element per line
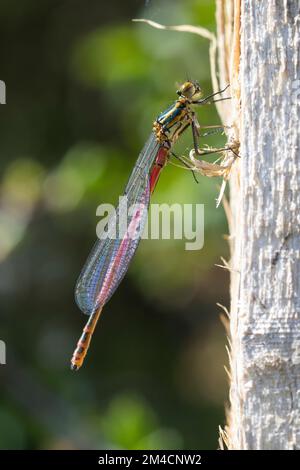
<point>160,161</point>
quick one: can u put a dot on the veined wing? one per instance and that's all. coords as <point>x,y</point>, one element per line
<point>110,256</point>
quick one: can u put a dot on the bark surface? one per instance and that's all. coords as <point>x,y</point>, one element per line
<point>265,234</point>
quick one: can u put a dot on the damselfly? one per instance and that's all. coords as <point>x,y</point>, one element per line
<point>111,256</point>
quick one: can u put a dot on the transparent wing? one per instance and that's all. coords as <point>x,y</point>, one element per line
<point>110,256</point>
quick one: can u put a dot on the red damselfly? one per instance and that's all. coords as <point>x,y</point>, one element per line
<point>110,257</point>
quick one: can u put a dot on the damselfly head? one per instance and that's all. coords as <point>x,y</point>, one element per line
<point>190,89</point>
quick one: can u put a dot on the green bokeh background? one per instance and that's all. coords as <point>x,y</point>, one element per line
<point>84,84</point>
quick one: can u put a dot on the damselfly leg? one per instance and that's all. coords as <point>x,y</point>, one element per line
<point>207,99</point>
<point>181,159</point>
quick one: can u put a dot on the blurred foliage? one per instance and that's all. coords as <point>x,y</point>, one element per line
<point>131,424</point>
<point>84,84</point>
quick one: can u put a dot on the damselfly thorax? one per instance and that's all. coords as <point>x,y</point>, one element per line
<point>171,123</point>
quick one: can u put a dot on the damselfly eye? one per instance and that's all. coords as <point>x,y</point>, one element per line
<point>190,89</point>
<point>187,89</point>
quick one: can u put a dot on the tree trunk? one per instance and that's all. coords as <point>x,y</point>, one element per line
<point>264,225</point>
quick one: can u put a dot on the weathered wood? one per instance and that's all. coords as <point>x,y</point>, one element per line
<point>265,203</point>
